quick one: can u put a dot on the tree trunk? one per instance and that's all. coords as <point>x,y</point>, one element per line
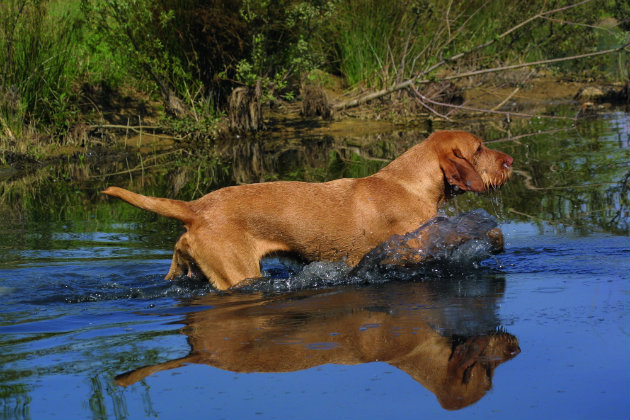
<point>245,109</point>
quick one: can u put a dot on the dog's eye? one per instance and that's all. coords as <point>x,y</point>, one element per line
<point>478,149</point>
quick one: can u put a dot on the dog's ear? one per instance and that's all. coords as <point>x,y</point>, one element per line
<point>459,172</point>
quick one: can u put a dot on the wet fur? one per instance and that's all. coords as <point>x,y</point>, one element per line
<point>229,230</point>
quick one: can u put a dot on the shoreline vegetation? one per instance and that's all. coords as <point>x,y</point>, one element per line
<point>95,75</point>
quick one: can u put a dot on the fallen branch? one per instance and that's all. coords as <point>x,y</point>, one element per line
<point>521,136</point>
<point>528,181</point>
<point>418,78</point>
<point>137,168</point>
<point>503,35</point>
<point>140,129</point>
<point>514,92</point>
<point>536,63</point>
<point>423,99</point>
<point>408,83</point>
<point>122,126</point>
<point>492,111</point>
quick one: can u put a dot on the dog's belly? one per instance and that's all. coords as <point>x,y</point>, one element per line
<point>339,244</point>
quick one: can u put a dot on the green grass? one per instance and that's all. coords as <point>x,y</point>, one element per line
<point>52,51</point>
<point>38,52</point>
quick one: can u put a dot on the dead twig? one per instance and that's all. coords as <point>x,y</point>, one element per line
<point>507,98</point>
<point>418,78</point>
<point>536,63</point>
<point>408,83</point>
<point>422,100</point>
<point>521,136</point>
<point>530,186</point>
<point>136,128</point>
<point>139,129</point>
<point>490,111</point>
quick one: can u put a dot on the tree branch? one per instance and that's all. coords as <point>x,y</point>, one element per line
<point>417,79</point>
<point>408,83</point>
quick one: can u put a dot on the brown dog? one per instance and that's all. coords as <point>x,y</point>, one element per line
<point>231,229</point>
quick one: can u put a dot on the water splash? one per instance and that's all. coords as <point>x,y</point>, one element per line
<point>442,246</point>
<point>143,288</point>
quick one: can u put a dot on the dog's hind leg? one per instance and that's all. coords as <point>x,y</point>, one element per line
<point>227,260</point>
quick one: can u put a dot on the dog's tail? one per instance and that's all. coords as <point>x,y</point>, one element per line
<point>174,209</point>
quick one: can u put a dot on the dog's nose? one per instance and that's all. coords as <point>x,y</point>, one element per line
<point>508,161</point>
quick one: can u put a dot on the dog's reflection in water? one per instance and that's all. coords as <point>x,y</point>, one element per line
<point>444,333</point>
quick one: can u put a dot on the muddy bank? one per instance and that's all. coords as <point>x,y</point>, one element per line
<point>129,132</point>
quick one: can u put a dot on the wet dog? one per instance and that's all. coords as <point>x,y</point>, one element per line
<point>229,230</point>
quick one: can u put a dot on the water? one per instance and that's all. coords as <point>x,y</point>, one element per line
<point>89,328</point>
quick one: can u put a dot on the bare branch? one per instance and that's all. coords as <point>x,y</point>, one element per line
<point>503,35</point>
<point>535,63</point>
<point>507,98</point>
<point>408,83</point>
<point>423,99</point>
<point>417,79</point>
<point>492,111</point>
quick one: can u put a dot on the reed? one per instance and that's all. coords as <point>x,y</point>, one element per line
<point>376,44</point>
<point>39,62</point>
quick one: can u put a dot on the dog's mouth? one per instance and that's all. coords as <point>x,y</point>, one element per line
<point>499,178</point>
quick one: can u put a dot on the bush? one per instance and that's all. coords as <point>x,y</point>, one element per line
<point>281,37</point>
<point>173,48</point>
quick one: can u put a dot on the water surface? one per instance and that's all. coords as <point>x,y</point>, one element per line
<point>89,328</point>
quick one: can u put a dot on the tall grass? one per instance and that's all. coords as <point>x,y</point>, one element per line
<point>195,50</point>
<point>369,38</point>
<point>375,43</point>
<point>39,62</point>
<point>378,43</point>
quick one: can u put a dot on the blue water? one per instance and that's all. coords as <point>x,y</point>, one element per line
<point>68,329</point>
<point>89,328</point>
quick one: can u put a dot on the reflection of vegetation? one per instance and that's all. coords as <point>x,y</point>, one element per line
<point>573,176</point>
<point>568,176</point>
<point>104,399</point>
<point>14,398</point>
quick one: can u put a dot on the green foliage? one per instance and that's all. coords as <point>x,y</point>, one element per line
<point>281,35</point>
<point>192,54</point>
<point>173,49</point>
<point>135,29</point>
<point>39,63</point>
<point>370,38</point>
<point>378,43</point>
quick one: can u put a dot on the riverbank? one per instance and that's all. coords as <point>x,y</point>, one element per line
<point>131,123</point>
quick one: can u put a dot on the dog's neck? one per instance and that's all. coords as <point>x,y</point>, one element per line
<point>451,191</point>
<point>417,172</point>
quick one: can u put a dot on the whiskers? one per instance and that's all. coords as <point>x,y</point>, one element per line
<point>497,179</point>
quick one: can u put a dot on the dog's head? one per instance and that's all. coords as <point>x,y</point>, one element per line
<point>471,367</point>
<point>467,164</point>
<point>184,263</point>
